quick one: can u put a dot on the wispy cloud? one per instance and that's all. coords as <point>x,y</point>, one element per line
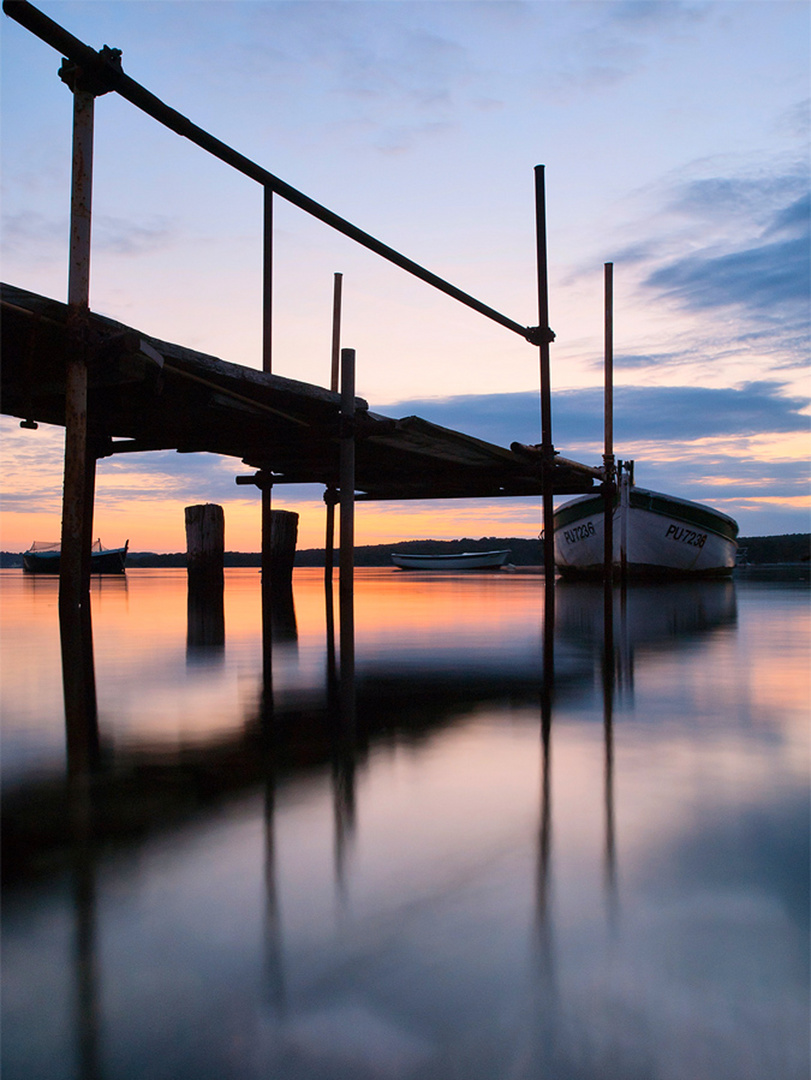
<point>122,236</point>
<point>763,277</point>
<point>683,413</point>
<point>744,449</point>
<point>726,255</point>
<point>33,236</point>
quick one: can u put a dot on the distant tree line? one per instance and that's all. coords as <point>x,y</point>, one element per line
<point>791,548</point>
<point>755,550</point>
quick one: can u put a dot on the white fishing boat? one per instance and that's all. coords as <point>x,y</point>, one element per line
<point>654,535</point>
<point>465,560</point>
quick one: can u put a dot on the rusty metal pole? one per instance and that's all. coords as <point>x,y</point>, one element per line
<point>329,494</point>
<point>347,481</point>
<point>74,532</point>
<point>346,578</point>
<point>336,332</point>
<point>608,454</point>
<point>266,487</point>
<point>545,338</point>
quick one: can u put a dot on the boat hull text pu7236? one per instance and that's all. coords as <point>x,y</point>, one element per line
<point>654,535</point>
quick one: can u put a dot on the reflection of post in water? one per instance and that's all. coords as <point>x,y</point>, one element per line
<point>79,688</point>
<point>344,735</point>
<point>545,835</point>
<point>83,761</point>
<point>278,608</point>
<point>344,767</point>
<point>332,668</point>
<point>283,628</point>
<point>274,953</point>
<point>343,788</point>
<point>608,679</point>
<point>543,1049</point>
<point>205,614</point>
<point>84,946</point>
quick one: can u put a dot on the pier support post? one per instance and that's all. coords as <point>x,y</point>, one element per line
<point>346,599</point>
<point>347,475</point>
<point>75,629</point>
<point>267,488</point>
<point>545,338</point>
<point>76,530</point>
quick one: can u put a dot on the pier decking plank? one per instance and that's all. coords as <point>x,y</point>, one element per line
<point>148,394</point>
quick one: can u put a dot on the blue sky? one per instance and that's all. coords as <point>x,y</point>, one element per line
<point>676,143</point>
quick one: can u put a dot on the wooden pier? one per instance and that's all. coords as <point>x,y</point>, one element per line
<point>117,389</point>
<point>146,394</point>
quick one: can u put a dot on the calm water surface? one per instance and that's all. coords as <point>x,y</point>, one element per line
<point>478,868</point>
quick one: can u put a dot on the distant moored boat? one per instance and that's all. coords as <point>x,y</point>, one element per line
<point>655,535</point>
<point>43,557</point>
<point>465,560</point>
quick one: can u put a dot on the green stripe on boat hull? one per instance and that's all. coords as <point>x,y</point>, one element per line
<point>656,503</point>
<point>665,537</point>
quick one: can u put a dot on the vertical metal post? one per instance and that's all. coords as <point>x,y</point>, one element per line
<point>329,495</point>
<point>346,597</point>
<point>74,507</point>
<point>347,475</point>
<point>267,282</point>
<point>546,336</point>
<point>336,331</point>
<point>608,454</point>
<point>266,488</point>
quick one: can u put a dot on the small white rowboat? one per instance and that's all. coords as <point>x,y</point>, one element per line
<point>466,560</point>
<point>655,535</point>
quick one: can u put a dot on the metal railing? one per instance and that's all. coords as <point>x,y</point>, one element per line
<point>102,73</point>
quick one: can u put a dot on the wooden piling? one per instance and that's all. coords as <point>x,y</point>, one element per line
<point>283,537</point>
<point>205,544</point>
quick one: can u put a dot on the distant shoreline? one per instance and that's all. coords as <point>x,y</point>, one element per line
<point>791,549</point>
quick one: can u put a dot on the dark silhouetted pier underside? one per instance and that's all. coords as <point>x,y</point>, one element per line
<point>146,394</point>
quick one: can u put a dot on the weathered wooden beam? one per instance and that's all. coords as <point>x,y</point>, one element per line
<point>285,429</point>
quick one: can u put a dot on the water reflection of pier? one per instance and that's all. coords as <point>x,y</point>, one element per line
<point>118,798</point>
<point>381,693</point>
